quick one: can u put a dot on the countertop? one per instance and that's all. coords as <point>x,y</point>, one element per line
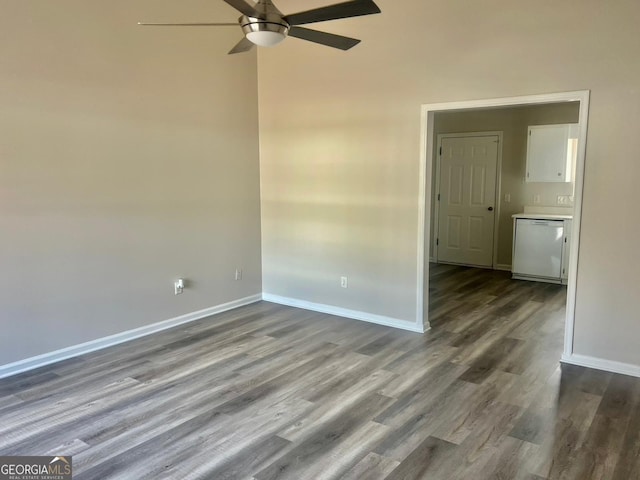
<point>543,216</point>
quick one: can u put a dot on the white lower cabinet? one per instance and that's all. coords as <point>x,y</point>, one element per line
<point>541,248</point>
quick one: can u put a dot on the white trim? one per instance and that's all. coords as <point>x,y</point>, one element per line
<point>427,114</point>
<point>498,202</point>
<point>424,209</point>
<point>425,194</point>
<point>498,189</point>
<point>343,312</point>
<point>502,267</point>
<point>488,267</point>
<point>575,224</point>
<point>104,342</point>
<point>436,203</point>
<point>601,364</point>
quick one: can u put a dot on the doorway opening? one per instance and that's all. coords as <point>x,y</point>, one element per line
<point>430,183</point>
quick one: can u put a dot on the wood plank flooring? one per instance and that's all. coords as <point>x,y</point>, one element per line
<point>271,392</point>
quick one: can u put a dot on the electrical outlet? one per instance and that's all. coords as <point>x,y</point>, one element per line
<point>238,274</point>
<point>536,200</point>
<point>507,198</point>
<point>565,200</point>
<point>344,282</point>
<point>178,286</point>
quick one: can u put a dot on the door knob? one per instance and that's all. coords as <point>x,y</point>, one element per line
<point>490,209</point>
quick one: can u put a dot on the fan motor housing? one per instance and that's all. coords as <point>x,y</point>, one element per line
<point>272,23</point>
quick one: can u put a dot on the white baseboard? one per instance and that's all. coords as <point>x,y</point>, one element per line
<point>601,364</point>
<point>432,259</point>
<point>100,343</point>
<point>344,312</point>
<point>503,267</point>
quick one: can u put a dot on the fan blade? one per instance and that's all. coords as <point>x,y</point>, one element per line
<point>245,8</point>
<point>243,45</point>
<point>354,8</point>
<point>147,24</point>
<point>323,38</point>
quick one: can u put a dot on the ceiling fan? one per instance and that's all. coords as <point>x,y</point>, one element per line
<point>264,25</point>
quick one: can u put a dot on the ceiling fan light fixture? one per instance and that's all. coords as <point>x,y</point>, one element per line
<point>264,33</point>
<point>266,26</point>
<point>265,38</point>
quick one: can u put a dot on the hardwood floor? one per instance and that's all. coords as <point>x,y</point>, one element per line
<point>271,392</point>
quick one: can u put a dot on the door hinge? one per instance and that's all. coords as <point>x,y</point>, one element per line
<point>438,197</point>
<point>437,242</point>
<point>440,151</point>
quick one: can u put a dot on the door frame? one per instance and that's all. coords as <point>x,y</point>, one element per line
<point>498,194</point>
<point>425,195</point>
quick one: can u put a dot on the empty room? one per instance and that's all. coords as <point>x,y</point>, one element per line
<point>316,240</point>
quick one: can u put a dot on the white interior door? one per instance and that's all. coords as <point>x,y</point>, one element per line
<point>466,209</point>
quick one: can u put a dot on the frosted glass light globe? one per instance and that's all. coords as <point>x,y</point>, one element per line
<point>265,38</point>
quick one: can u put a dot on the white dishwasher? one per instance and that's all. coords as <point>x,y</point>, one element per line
<point>537,249</point>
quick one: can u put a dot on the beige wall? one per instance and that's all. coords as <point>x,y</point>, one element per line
<point>128,157</point>
<point>340,143</point>
<point>513,122</point>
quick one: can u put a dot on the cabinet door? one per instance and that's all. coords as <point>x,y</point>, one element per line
<point>538,248</point>
<point>549,156</point>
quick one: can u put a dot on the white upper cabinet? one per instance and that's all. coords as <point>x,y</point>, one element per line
<point>551,153</point>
